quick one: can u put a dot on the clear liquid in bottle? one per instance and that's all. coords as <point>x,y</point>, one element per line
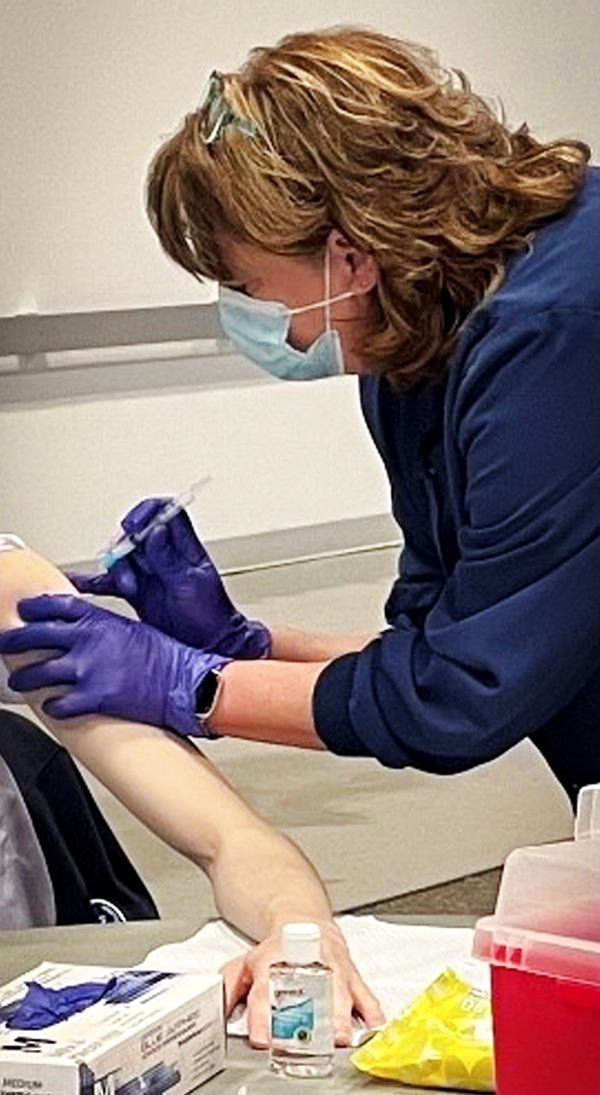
<point>301,999</point>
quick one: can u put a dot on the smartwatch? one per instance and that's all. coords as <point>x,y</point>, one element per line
<point>207,694</point>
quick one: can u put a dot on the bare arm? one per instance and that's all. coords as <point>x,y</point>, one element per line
<point>272,700</point>
<point>260,878</point>
<point>175,790</point>
<point>291,645</point>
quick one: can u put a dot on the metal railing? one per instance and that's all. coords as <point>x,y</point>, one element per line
<point>84,354</point>
<point>33,336</point>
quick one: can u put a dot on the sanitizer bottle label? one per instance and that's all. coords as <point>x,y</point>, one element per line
<point>293,1016</point>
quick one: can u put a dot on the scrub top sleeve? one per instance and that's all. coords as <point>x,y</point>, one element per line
<point>514,634</point>
<point>417,586</point>
<point>334,685</point>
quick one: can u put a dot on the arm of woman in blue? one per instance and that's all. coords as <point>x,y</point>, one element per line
<point>511,635</point>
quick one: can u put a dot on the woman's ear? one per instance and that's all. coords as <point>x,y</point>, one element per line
<point>352,268</point>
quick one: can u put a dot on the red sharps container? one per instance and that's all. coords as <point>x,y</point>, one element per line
<point>543,946</point>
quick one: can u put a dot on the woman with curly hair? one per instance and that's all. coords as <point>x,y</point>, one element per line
<point>364,211</point>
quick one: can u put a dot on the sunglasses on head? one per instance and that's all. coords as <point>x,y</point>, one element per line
<point>216,114</point>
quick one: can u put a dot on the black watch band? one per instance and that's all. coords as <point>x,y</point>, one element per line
<point>207,694</point>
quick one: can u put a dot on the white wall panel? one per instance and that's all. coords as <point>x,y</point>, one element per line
<point>88,92</point>
<point>279,456</point>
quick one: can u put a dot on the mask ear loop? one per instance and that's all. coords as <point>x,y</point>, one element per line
<point>327,289</point>
<point>326,302</point>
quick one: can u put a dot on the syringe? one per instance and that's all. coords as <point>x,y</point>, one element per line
<point>125,544</point>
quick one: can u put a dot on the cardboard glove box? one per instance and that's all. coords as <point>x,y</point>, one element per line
<point>149,1033</point>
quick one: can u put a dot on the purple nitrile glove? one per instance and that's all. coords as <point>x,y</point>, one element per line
<point>43,1006</point>
<point>171,582</point>
<point>107,664</point>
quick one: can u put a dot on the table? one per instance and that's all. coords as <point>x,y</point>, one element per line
<point>126,944</point>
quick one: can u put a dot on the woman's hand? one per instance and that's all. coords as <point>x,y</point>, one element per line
<point>106,664</point>
<point>173,585</point>
<point>247,977</point>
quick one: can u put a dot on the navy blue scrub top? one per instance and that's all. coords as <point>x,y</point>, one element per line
<point>494,619</point>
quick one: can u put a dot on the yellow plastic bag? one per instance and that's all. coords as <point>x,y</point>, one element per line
<point>442,1039</point>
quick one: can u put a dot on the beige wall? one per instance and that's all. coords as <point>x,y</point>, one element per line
<point>277,459</point>
<point>88,92</point>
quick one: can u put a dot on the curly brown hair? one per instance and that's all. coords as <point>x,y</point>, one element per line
<point>361,132</point>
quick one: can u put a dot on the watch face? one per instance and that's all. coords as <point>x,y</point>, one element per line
<point>206,694</point>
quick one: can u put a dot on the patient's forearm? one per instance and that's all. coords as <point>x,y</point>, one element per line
<point>261,881</point>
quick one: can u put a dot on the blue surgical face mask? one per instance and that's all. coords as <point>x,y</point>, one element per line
<point>259,330</point>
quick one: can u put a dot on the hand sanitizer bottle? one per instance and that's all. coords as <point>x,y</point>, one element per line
<point>301,998</point>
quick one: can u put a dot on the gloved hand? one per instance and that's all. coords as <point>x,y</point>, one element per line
<point>171,582</point>
<point>108,664</point>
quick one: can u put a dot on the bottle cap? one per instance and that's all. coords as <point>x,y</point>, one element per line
<point>301,944</point>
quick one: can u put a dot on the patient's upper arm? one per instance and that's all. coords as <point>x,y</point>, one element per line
<point>164,780</point>
<point>23,573</point>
